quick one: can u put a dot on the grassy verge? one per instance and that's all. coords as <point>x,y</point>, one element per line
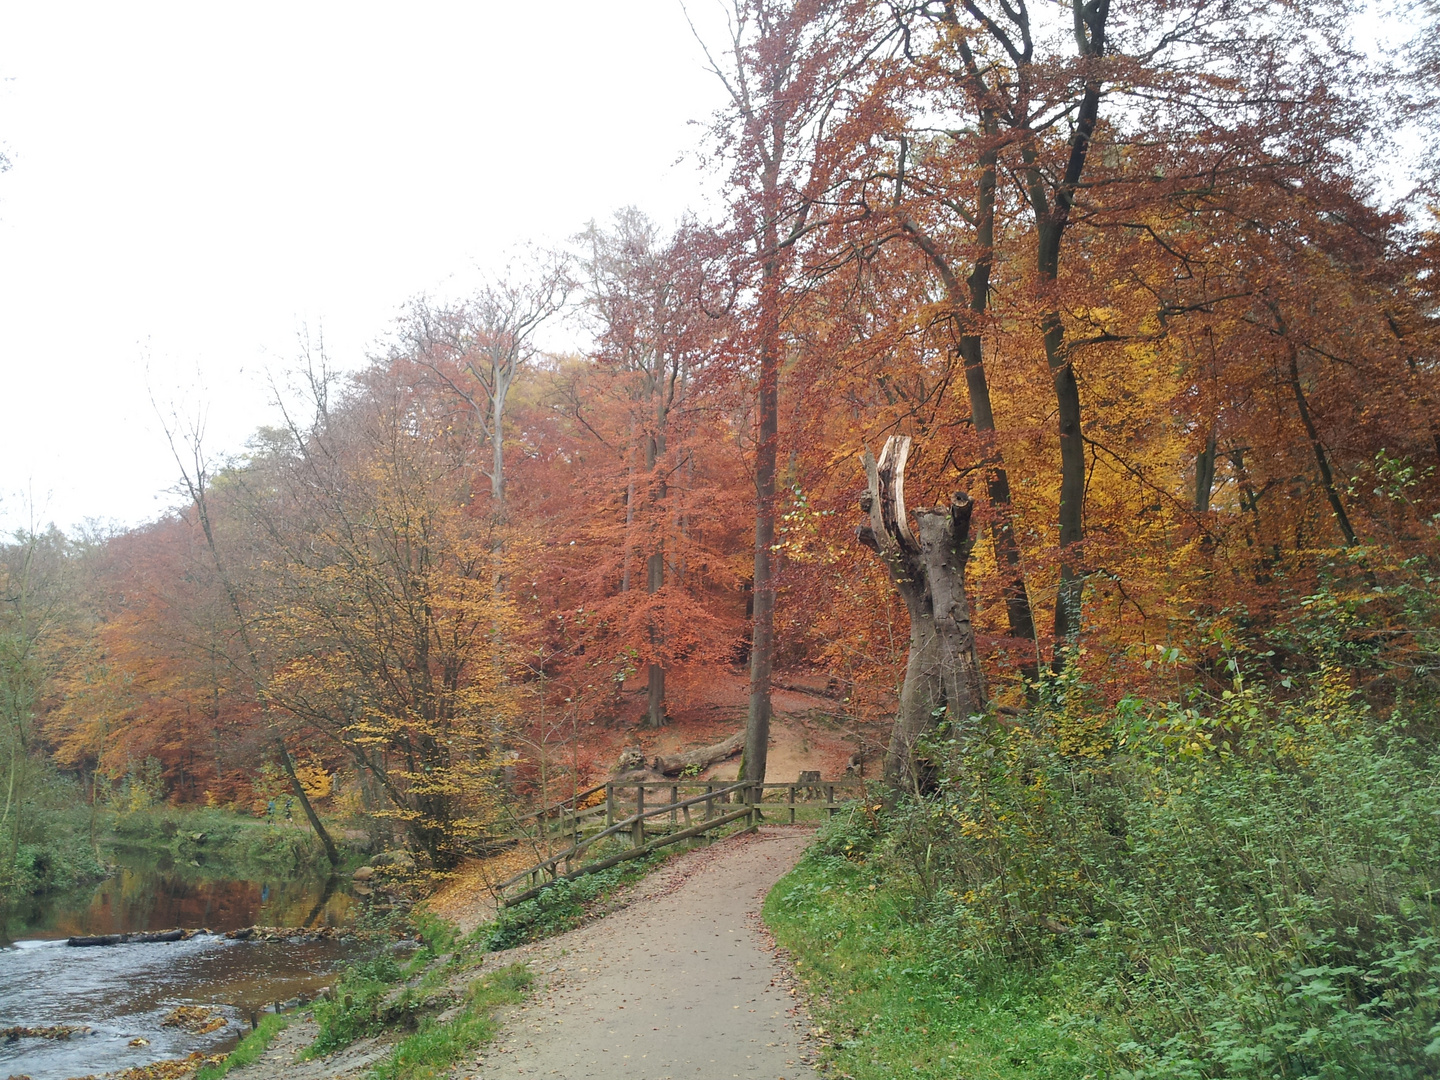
<point>381,994</point>
<point>249,1049</point>
<point>887,1006</point>
<point>435,1046</point>
<point>214,837</point>
<point>561,907</point>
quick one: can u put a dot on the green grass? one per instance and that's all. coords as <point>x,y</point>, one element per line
<point>887,1006</point>
<point>561,907</point>
<point>432,1049</point>
<point>249,1049</point>
<point>365,1001</point>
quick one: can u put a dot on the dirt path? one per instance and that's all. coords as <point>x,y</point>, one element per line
<point>683,982</point>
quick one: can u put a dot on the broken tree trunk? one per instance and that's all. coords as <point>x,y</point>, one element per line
<point>676,764</point>
<point>942,676</point>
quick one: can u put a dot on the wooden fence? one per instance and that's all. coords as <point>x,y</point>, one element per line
<point>655,824</point>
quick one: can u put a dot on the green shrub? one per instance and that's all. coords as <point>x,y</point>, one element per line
<point>559,907</point>
<point>435,1047</point>
<point>52,851</point>
<point>369,997</point>
<point>358,1008</point>
<point>1242,887</point>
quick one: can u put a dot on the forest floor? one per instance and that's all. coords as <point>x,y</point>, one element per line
<point>679,980</point>
<point>804,735</point>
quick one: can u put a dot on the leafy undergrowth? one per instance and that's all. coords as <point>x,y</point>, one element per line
<point>561,907</point>
<point>887,1005</point>
<point>382,993</point>
<point>249,1049</point>
<point>435,1046</point>
<point>1263,907</point>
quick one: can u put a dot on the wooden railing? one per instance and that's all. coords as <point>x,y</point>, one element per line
<point>755,800</point>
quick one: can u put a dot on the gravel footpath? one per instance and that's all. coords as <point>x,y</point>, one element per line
<point>682,982</point>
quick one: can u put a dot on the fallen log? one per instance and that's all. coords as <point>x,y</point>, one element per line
<point>702,758</point>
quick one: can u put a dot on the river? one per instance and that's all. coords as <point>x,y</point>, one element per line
<point>123,992</point>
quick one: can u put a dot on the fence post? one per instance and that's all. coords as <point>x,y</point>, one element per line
<point>637,831</point>
<point>674,798</point>
<point>609,805</point>
<point>709,800</point>
<point>792,804</point>
<point>830,800</point>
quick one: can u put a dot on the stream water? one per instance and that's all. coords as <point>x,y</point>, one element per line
<point>123,992</point>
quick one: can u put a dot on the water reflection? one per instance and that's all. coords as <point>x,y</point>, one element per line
<point>148,893</point>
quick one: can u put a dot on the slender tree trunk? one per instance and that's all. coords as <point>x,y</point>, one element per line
<point>655,578</point>
<point>1205,474</point>
<point>762,641</point>
<point>655,565</point>
<point>289,766</point>
<point>1322,461</point>
<point>1002,530</point>
<point>1072,485</point>
<point>497,446</point>
<point>1051,222</point>
<point>197,494</point>
<point>629,509</point>
<point>975,298</point>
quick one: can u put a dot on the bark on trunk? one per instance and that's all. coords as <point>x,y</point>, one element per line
<point>1205,474</point>
<point>1322,460</point>
<point>942,676</point>
<point>762,635</point>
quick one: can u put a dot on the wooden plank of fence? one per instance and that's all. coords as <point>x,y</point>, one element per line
<point>750,794</point>
<point>630,853</point>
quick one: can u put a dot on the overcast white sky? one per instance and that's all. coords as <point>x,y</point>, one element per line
<point>193,184</point>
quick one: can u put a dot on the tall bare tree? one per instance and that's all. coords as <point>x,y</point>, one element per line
<point>477,347</point>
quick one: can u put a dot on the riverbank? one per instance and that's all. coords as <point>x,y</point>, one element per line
<point>66,848</point>
<point>158,869</point>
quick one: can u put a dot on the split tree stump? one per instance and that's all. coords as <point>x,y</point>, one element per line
<point>942,676</point>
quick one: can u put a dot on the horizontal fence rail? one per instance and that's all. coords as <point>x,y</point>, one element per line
<point>756,800</point>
